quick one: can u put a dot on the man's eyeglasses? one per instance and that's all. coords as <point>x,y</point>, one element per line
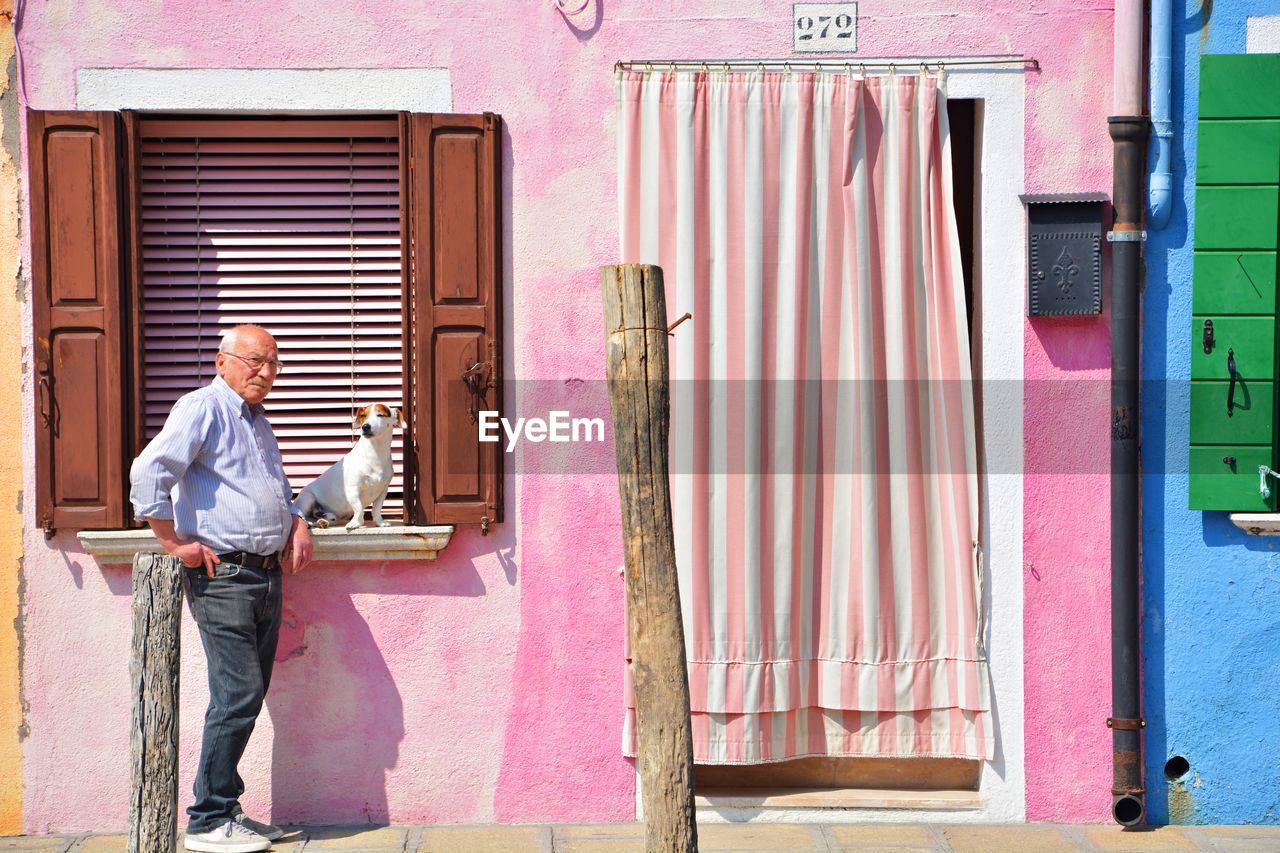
<point>256,363</point>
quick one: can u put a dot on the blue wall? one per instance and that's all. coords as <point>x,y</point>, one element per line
<point>1211,630</point>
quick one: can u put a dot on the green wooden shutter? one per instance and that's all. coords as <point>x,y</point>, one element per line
<point>1237,194</point>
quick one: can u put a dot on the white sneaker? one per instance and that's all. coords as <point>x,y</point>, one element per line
<point>231,837</point>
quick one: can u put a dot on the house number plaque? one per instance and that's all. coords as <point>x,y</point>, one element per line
<point>824,27</point>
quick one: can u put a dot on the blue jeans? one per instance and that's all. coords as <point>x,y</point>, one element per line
<point>238,613</point>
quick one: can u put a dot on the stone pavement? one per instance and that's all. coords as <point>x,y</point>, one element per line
<point>755,837</point>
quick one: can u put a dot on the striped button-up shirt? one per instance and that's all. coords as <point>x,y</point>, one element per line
<point>222,457</point>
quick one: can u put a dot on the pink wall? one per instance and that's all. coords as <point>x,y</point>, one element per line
<point>1066,430</point>
<point>486,686</point>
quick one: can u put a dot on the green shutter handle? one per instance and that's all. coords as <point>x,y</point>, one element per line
<point>1231,389</point>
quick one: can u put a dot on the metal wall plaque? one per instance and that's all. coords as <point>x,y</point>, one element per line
<point>1064,254</point>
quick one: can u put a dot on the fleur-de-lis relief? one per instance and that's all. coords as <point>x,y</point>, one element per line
<point>1065,271</point>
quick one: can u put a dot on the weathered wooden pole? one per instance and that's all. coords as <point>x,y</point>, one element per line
<point>635,317</point>
<point>153,677</point>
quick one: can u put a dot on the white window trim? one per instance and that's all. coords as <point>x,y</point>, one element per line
<point>1262,34</point>
<point>420,90</point>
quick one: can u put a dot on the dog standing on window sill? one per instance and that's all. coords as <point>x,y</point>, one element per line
<point>340,494</point>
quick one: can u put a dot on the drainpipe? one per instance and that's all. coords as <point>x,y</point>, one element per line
<point>1160,190</point>
<point>1128,129</point>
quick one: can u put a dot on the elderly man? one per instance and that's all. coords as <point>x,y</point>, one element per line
<point>233,526</point>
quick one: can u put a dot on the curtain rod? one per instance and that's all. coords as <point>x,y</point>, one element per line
<point>824,64</point>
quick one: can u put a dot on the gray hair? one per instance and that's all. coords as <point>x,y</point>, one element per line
<point>232,336</point>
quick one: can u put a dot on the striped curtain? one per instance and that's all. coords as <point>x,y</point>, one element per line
<point>823,455</point>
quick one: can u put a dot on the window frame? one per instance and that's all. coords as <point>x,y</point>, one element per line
<point>442,329</point>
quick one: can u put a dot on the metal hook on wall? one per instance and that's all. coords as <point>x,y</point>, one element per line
<point>565,10</point>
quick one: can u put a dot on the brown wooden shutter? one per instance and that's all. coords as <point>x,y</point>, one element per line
<point>453,317</point>
<point>76,272</point>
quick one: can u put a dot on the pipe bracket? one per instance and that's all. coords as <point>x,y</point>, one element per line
<point>1127,725</point>
<point>1126,236</point>
<point>1120,792</point>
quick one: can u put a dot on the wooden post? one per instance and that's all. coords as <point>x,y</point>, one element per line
<point>635,317</point>
<point>153,676</point>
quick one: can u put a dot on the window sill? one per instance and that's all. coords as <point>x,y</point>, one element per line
<point>366,544</point>
<point>836,798</point>
<point>1257,523</point>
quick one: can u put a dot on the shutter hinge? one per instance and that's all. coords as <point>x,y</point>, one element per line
<point>48,527</point>
<point>484,525</point>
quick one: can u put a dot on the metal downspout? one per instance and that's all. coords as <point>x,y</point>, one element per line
<point>1160,190</point>
<point>1128,128</point>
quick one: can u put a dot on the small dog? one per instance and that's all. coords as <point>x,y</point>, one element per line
<point>340,494</point>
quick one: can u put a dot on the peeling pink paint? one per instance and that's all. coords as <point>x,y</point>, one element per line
<point>486,686</point>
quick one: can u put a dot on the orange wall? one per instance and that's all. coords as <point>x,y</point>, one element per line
<point>11,317</point>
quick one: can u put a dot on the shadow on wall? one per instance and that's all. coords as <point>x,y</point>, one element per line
<point>1076,343</point>
<point>1166,311</point>
<point>1158,411</point>
<point>998,764</point>
<point>338,718</point>
<point>584,17</point>
<point>336,710</point>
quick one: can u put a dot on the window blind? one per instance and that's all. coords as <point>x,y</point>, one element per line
<point>290,224</point>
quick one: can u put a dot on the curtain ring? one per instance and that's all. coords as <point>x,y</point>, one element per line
<point>726,69</point>
<point>704,68</point>
<point>893,69</point>
<point>648,68</point>
<point>787,67</point>
<point>761,67</point>
<point>672,67</point>
<point>862,69</point>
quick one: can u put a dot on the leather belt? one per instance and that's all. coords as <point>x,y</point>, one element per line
<point>253,561</point>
